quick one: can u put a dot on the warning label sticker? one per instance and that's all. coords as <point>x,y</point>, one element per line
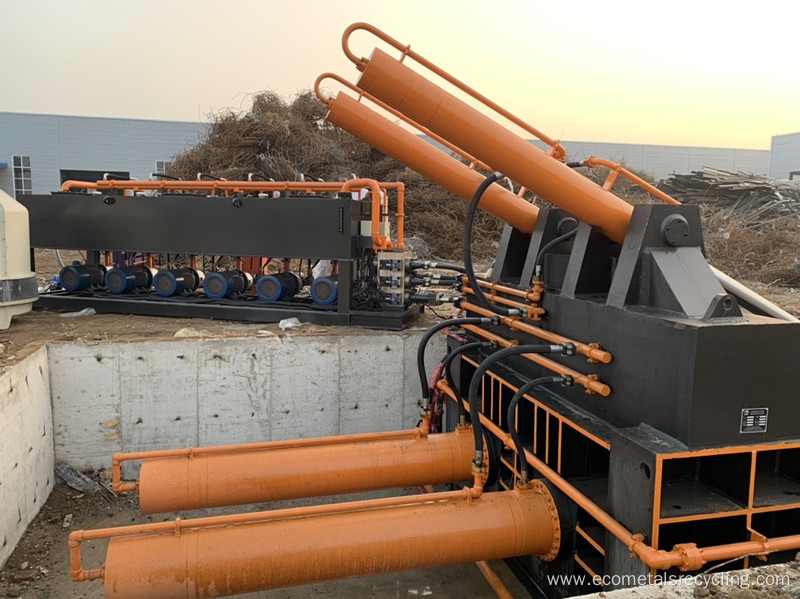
<point>754,420</point>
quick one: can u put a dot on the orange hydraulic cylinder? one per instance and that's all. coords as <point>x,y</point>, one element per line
<point>363,122</point>
<point>260,555</point>
<point>441,112</point>
<point>257,476</point>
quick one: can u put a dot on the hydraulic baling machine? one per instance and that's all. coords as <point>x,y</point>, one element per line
<point>619,410</point>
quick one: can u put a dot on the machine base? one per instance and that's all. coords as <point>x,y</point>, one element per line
<point>245,309</point>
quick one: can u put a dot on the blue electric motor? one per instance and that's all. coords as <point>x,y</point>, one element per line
<point>227,283</point>
<point>324,290</point>
<point>179,280</point>
<point>129,278</point>
<point>82,276</point>
<point>280,286</point>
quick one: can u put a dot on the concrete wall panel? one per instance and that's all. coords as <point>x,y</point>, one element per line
<point>26,447</point>
<point>233,389</point>
<point>158,395</point>
<point>86,404</point>
<point>371,374</point>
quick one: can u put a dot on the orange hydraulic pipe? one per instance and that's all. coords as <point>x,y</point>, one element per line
<point>532,295</point>
<point>186,562</point>
<point>215,185</point>
<point>381,133</point>
<point>589,382</point>
<point>500,589</point>
<point>616,168</point>
<point>257,476</point>
<point>379,241</point>
<point>591,350</point>
<point>531,312</point>
<point>432,107</point>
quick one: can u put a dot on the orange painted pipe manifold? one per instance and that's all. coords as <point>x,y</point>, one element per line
<point>432,107</point>
<point>184,562</point>
<point>243,476</point>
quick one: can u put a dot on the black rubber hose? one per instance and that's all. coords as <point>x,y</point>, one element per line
<point>423,343</point>
<point>475,383</point>
<point>448,375</point>
<point>466,250</point>
<point>549,246</point>
<point>441,265</point>
<point>512,407</point>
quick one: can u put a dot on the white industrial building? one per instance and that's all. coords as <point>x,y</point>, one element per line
<point>784,162</point>
<point>38,152</point>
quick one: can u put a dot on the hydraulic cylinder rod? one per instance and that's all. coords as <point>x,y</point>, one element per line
<point>182,561</point>
<point>432,107</point>
<point>363,122</point>
<point>243,475</point>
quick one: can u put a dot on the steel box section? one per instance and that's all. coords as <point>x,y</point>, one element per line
<point>687,378</point>
<point>289,227</point>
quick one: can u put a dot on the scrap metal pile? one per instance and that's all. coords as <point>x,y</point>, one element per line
<point>756,199</point>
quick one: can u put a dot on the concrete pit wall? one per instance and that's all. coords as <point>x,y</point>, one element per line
<point>26,447</point>
<point>123,397</point>
<point>80,403</point>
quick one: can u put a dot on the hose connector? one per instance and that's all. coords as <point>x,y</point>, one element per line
<point>568,349</point>
<point>567,380</point>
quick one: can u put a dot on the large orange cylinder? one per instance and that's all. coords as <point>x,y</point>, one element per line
<point>228,560</point>
<point>257,476</point>
<point>381,133</point>
<point>430,106</point>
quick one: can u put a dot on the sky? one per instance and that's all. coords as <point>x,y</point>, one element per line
<point>700,73</point>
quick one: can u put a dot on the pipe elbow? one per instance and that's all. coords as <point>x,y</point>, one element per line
<point>651,557</point>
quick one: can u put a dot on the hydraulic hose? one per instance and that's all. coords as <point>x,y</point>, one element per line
<point>441,265</point>
<point>512,427</point>
<point>466,250</point>
<point>550,245</point>
<point>448,361</point>
<point>567,349</point>
<point>423,343</point>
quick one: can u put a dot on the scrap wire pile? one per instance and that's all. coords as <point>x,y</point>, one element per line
<point>291,141</point>
<point>754,199</point>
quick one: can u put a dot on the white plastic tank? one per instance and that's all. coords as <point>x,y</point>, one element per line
<point>17,283</point>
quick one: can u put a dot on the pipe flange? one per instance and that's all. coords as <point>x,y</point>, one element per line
<point>692,559</point>
<point>538,487</point>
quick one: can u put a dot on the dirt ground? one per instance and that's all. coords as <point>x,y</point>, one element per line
<point>39,567</point>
